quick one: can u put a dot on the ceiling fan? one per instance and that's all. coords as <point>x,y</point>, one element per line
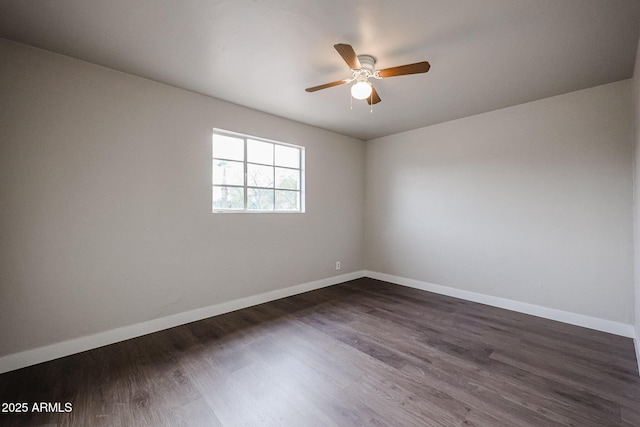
<point>363,68</point>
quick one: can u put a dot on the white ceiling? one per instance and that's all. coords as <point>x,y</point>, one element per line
<point>484,54</point>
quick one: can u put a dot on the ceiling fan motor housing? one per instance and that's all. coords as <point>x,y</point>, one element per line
<point>366,70</point>
<point>367,62</point>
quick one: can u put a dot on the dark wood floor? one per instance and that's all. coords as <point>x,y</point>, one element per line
<point>360,353</point>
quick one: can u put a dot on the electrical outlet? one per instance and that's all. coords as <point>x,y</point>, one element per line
<point>337,265</point>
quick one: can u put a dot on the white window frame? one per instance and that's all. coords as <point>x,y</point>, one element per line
<point>246,186</point>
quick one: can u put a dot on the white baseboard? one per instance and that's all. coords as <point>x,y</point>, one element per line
<point>636,341</point>
<point>603,325</point>
<point>77,345</point>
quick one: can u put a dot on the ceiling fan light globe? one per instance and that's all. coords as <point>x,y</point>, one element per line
<point>361,90</point>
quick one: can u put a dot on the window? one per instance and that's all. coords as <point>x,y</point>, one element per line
<point>256,175</point>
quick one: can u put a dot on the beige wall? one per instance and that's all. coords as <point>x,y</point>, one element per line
<point>531,203</point>
<point>105,203</point>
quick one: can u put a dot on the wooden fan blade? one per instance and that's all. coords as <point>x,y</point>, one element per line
<point>403,70</point>
<point>349,55</point>
<point>327,85</point>
<point>374,98</point>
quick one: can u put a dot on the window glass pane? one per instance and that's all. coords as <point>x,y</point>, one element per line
<point>228,198</point>
<point>287,200</point>
<point>287,178</point>
<point>259,199</point>
<point>259,152</point>
<point>259,176</point>
<point>287,156</point>
<point>227,172</point>
<point>228,147</point>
